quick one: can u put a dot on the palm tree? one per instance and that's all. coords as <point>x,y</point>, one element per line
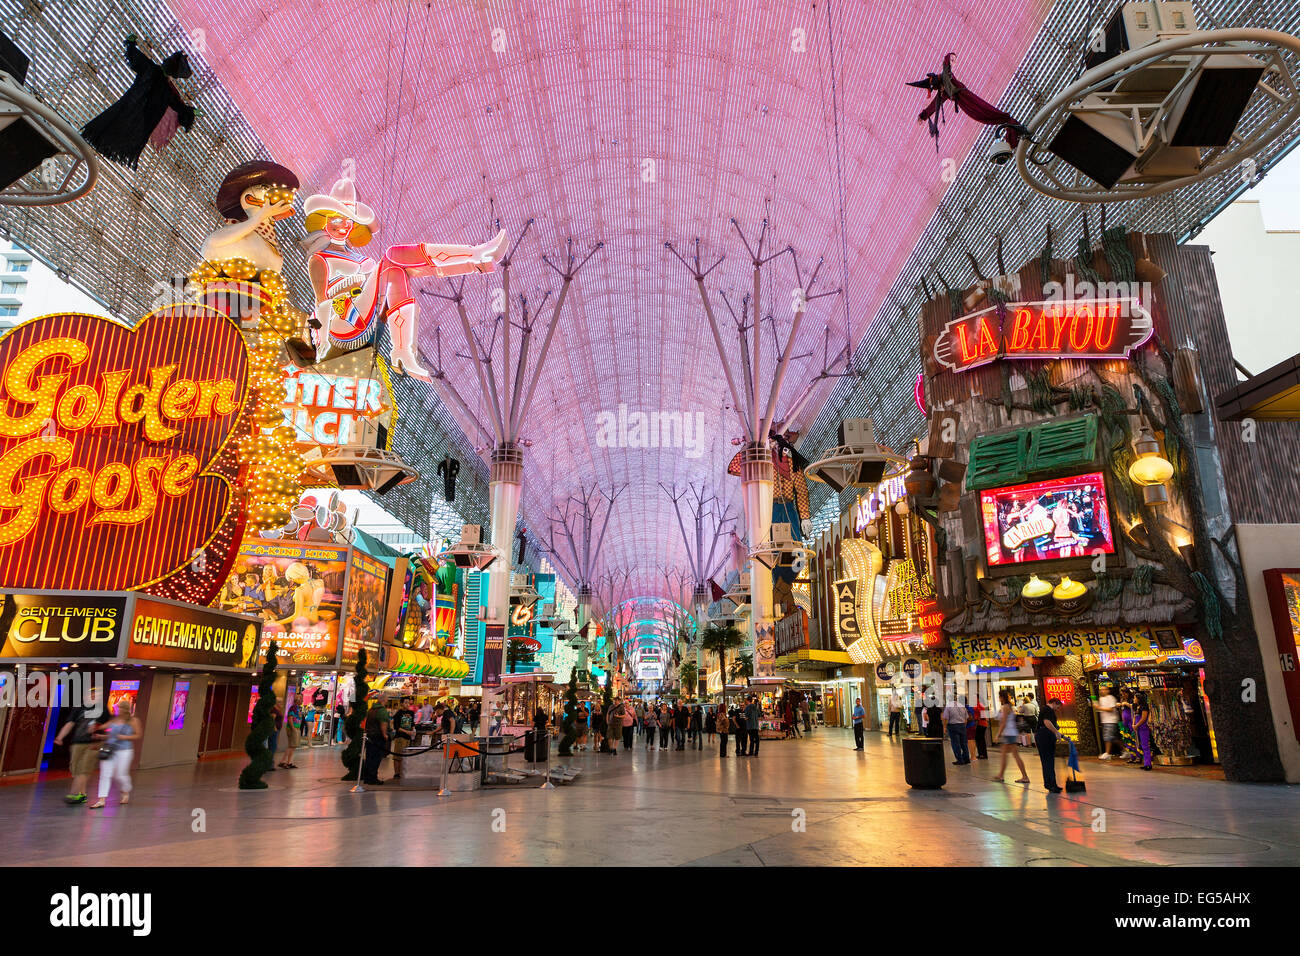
<point>743,667</point>
<point>718,640</point>
<point>690,676</point>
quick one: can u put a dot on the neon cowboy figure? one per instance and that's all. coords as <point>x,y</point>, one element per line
<point>352,289</point>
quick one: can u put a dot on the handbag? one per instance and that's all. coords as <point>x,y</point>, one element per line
<point>105,752</point>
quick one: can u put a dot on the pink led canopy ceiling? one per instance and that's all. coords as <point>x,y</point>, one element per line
<point>633,124</point>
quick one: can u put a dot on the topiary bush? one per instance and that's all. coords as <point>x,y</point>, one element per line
<point>259,755</point>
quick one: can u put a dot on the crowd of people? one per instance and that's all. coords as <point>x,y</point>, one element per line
<point>390,733</point>
<point>664,725</point>
<point>1125,726</point>
<point>106,743</point>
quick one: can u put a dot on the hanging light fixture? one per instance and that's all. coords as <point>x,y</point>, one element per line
<point>901,509</point>
<point>1071,596</point>
<point>1149,470</point>
<point>1036,595</point>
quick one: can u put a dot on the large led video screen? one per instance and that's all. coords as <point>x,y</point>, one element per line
<point>1046,520</point>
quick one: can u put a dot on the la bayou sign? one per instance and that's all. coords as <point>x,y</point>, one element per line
<point>1055,329</point>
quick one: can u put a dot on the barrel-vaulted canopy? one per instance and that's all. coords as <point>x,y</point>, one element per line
<point>635,124</point>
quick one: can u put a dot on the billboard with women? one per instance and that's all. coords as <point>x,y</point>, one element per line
<point>296,588</point>
<point>1046,520</point>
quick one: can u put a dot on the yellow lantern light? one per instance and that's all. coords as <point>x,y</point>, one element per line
<point>1149,470</point>
<point>1068,589</point>
<point>1036,587</point>
<point>1036,595</point>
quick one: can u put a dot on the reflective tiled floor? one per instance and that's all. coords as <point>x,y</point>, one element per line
<point>812,802</point>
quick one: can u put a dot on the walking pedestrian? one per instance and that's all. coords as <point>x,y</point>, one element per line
<point>723,725</point>
<point>292,736</point>
<point>981,715</point>
<point>1009,735</point>
<point>1045,737</point>
<point>753,721</point>
<point>1127,738</point>
<point>740,731</point>
<point>697,727</point>
<point>665,726</point>
<point>403,734</point>
<point>651,728</point>
<point>710,723</point>
<point>895,713</point>
<point>628,721</point>
<point>116,751</point>
<point>954,719</point>
<point>806,713</point>
<point>83,751</point>
<point>1107,708</point>
<point>614,726</point>
<point>1142,727</point>
<point>340,721</point>
<point>859,715</point>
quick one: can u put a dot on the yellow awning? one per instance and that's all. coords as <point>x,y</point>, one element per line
<point>814,654</point>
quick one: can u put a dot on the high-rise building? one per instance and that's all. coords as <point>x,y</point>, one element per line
<point>28,288</point>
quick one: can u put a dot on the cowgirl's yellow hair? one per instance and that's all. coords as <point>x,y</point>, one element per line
<point>361,235</point>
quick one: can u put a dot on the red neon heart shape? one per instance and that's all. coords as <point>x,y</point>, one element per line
<point>68,551</point>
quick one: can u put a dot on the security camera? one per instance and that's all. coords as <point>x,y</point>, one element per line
<point>1000,152</point>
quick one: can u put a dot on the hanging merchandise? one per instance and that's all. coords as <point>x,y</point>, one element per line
<point>352,289</point>
<point>448,468</point>
<point>150,111</point>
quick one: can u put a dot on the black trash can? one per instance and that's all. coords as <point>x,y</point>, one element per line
<point>923,763</point>
<point>530,746</point>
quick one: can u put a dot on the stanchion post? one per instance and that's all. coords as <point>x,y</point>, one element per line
<point>546,782</point>
<point>443,791</point>
<point>361,769</point>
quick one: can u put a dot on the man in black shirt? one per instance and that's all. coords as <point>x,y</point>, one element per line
<point>84,751</point>
<point>403,733</point>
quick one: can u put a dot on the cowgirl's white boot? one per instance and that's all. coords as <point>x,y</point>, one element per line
<point>401,328</point>
<point>450,260</point>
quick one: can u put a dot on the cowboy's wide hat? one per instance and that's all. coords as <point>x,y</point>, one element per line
<point>341,200</point>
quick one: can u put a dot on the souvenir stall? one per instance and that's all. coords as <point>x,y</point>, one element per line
<point>523,694</point>
<point>1170,673</point>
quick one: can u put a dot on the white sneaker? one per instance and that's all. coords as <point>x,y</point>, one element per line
<point>1104,757</point>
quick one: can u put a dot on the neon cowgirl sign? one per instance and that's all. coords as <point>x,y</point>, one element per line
<point>1062,328</point>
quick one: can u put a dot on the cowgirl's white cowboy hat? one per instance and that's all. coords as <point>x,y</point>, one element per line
<point>341,200</point>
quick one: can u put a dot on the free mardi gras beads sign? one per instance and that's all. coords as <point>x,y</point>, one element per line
<point>108,440</point>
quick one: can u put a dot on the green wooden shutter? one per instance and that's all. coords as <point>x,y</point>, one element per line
<point>1059,445</point>
<point>997,460</point>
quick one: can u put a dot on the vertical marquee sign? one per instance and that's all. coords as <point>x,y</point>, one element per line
<point>117,456</point>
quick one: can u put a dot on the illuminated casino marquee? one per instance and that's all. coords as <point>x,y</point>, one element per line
<point>114,469</point>
<point>327,404</point>
<point>1061,328</point>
